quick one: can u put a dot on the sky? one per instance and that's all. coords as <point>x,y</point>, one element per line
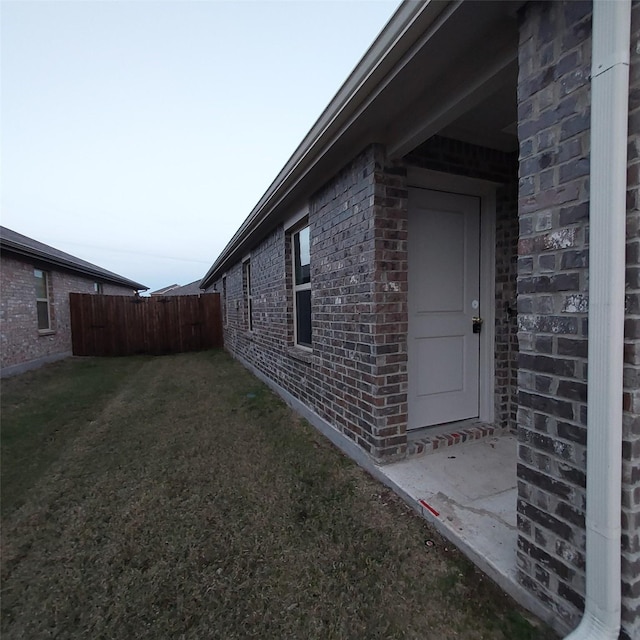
<point>138,135</point>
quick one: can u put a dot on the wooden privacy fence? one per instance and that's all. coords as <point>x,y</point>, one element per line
<point>127,325</point>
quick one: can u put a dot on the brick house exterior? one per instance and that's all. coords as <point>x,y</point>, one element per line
<point>356,195</point>
<point>23,344</point>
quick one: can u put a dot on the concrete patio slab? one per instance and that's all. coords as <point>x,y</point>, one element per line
<point>469,494</point>
<point>470,491</point>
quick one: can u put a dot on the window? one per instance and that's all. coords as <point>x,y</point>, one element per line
<point>97,287</point>
<point>224,301</point>
<point>247,289</point>
<point>302,287</point>
<point>42,299</point>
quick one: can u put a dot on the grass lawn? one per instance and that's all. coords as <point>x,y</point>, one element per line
<point>177,497</point>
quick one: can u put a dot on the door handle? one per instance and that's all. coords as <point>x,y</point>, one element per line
<point>477,324</point>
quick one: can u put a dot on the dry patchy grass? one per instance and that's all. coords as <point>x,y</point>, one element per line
<point>188,501</point>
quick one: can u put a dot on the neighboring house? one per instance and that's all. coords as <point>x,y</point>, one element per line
<point>36,281</point>
<point>444,248</point>
<point>191,289</point>
<point>164,290</point>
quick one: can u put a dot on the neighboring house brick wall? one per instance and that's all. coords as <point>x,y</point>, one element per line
<point>20,340</point>
<point>554,132</point>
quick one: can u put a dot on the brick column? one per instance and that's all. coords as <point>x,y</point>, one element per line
<point>390,307</point>
<point>554,120</point>
<point>554,100</point>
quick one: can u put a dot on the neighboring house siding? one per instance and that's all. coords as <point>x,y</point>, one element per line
<point>20,340</point>
<point>554,108</point>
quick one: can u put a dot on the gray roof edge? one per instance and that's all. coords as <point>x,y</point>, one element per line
<point>346,101</point>
<point>191,288</point>
<point>58,258</point>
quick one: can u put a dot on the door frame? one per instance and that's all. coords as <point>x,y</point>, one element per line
<point>486,191</point>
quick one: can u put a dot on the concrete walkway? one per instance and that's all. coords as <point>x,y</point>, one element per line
<point>469,490</point>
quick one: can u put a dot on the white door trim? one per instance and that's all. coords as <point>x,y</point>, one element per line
<point>486,191</point>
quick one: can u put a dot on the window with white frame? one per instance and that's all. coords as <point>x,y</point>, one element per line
<point>42,299</point>
<point>97,287</point>
<point>302,287</point>
<point>249,296</point>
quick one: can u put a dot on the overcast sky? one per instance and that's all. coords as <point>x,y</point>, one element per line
<point>139,135</point>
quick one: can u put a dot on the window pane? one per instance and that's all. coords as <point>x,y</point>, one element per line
<point>225,305</point>
<point>43,315</point>
<point>41,283</point>
<point>248,276</point>
<point>302,256</point>
<point>303,317</point>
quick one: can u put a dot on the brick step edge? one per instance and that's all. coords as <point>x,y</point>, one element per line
<point>430,444</point>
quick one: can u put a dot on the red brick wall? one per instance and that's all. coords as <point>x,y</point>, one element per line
<point>20,340</point>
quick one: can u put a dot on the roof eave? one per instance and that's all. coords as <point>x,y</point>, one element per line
<point>18,249</point>
<point>377,62</point>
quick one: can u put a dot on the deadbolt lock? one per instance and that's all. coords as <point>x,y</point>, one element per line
<point>477,324</point>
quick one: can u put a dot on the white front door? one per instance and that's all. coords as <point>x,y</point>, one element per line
<point>444,297</point>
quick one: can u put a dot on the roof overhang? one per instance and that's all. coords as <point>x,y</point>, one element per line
<point>431,62</point>
<point>41,257</point>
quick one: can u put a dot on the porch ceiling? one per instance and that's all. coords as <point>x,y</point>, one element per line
<point>461,82</point>
<point>493,122</point>
<point>473,96</point>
